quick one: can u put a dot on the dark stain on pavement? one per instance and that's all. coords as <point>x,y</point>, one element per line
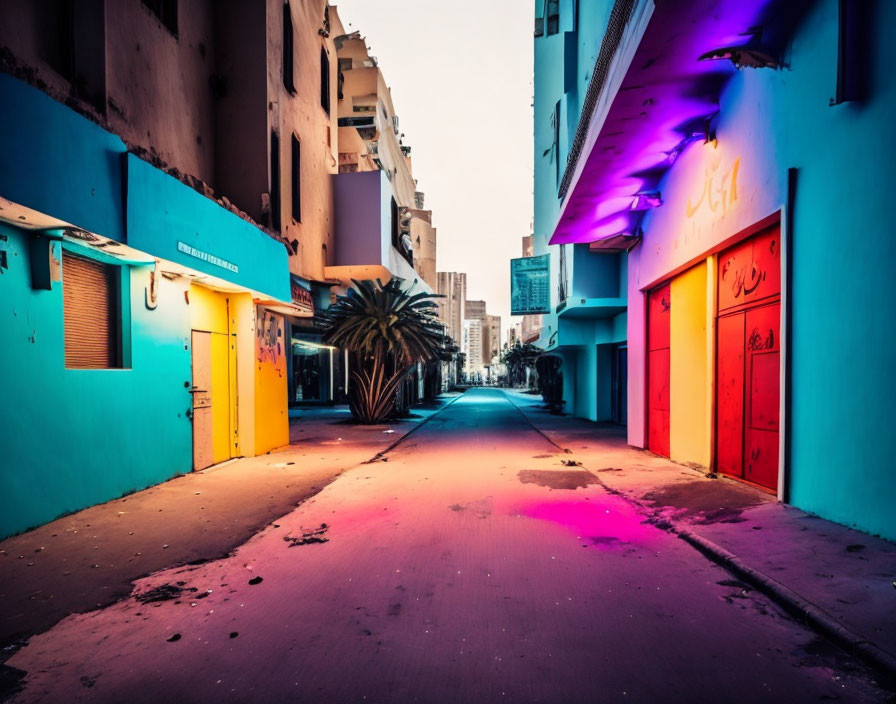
<point>481,508</point>
<point>707,502</point>
<point>605,541</point>
<point>164,592</point>
<point>11,681</point>
<point>308,537</point>
<point>553,479</point>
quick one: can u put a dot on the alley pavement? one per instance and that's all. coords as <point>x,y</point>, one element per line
<point>90,559</point>
<point>477,561</point>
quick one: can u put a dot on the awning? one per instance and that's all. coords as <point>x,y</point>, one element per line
<point>667,98</point>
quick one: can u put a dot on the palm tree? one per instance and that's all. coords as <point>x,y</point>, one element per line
<point>389,331</point>
<point>517,358</point>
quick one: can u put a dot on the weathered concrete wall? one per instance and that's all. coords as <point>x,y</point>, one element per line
<point>423,237</point>
<point>241,110</point>
<point>302,115</point>
<point>150,72</point>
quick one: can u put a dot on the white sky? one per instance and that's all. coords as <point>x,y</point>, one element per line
<point>461,80</point>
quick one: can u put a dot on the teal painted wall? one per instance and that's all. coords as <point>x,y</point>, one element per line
<point>57,162</point>
<point>844,252</point>
<point>76,437</point>
<point>162,211</point>
<point>73,438</point>
<point>594,275</point>
<point>842,340</point>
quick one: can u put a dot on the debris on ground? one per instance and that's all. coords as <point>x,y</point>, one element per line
<point>572,463</point>
<point>256,580</point>
<point>308,537</point>
<point>388,432</point>
<point>164,592</point>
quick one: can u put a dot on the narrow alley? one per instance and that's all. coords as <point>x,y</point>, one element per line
<point>475,561</point>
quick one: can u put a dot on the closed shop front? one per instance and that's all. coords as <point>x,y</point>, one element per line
<point>749,359</point>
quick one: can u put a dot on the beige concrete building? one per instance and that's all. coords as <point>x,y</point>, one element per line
<point>492,343</point>
<point>472,346</point>
<point>491,329</point>
<point>452,287</point>
<point>263,147</point>
<point>370,141</point>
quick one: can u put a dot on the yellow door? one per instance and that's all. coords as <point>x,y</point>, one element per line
<point>220,383</point>
<point>203,452</point>
<point>215,431</point>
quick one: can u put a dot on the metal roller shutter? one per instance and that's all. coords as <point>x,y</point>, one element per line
<point>90,292</point>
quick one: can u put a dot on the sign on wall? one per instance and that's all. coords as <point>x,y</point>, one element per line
<point>300,291</point>
<point>530,279</point>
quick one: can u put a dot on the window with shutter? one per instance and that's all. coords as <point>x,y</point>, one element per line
<point>90,295</point>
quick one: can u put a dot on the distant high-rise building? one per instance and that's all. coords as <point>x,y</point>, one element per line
<point>452,286</point>
<point>475,310</point>
<point>473,346</point>
<point>493,340</point>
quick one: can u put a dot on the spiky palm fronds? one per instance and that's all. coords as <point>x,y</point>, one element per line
<point>389,330</point>
<point>384,318</point>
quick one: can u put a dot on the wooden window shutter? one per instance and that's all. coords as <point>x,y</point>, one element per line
<point>90,302</point>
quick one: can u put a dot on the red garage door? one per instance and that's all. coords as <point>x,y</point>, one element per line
<point>659,305</point>
<point>748,360</point>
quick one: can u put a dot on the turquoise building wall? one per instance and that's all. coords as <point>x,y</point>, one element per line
<point>72,438</point>
<point>56,162</point>
<point>563,66</point>
<point>841,341</point>
<point>76,437</point>
<point>162,213</point>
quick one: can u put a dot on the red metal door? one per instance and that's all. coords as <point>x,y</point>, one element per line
<point>730,395</point>
<point>763,368</point>
<point>659,305</point>
<point>748,361</point>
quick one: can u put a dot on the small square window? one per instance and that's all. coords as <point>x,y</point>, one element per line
<point>92,311</point>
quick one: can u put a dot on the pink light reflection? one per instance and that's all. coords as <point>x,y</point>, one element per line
<point>606,524</point>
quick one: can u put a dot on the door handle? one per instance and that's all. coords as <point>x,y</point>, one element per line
<point>197,390</point>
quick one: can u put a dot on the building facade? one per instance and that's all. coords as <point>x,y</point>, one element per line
<point>169,227</point>
<point>473,366</point>
<point>586,327</point>
<point>734,178</point>
<point>452,289</point>
<point>142,322</point>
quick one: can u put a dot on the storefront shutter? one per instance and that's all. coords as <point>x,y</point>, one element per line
<point>89,294</point>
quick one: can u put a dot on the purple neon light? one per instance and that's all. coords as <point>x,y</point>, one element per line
<point>657,114</point>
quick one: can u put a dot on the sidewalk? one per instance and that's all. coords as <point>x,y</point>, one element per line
<point>840,580</point>
<point>90,558</point>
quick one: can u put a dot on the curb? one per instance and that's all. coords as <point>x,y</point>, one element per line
<point>382,453</point>
<point>534,427</point>
<point>792,602</point>
<point>786,598</point>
